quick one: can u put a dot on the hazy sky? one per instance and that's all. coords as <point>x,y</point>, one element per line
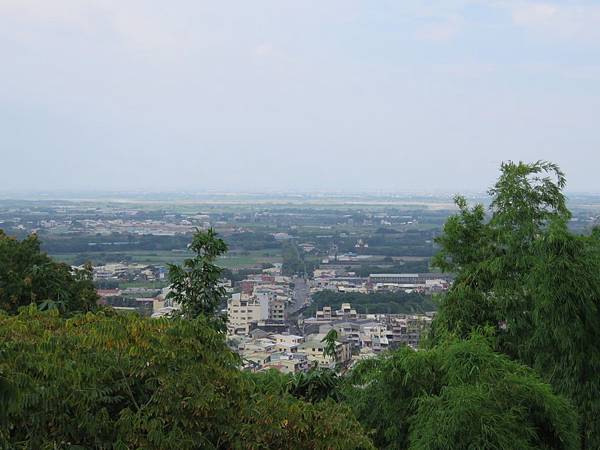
<point>295,95</point>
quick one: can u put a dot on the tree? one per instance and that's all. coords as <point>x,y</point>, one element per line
<point>196,284</point>
<point>315,385</point>
<point>493,259</point>
<point>523,274</point>
<point>28,275</point>
<point>108,380</point>
<point>293,262</point>
<point>564,340</point>
<point>375,302</point>
<point>459,395</point>
<point>330,347</point>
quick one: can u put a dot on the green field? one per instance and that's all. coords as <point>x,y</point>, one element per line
<point>231,260</point>
<point>143,284</point>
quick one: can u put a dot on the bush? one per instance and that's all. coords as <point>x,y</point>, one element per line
<point>28,275</point>
<point>459,395</point>
<point>122,381</point>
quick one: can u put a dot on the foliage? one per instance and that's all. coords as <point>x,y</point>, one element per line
<point>374,303</point>
<point>294,262</point>
<point>330,347</point>
<point>122,381</point>
<point>239,275</point>
<point>458,395</point>
<point>364,270</point>
<point>564,341</point>
<point>29,276</point>
<point>525,275</point>
<point>196,284</point>
<point>127,242</point>
<point>252,240</point>
<point>314,386</point>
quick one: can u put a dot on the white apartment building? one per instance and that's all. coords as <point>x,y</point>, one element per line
<point>243,310</point>
<point>314,347</point>
<point>288,338</point>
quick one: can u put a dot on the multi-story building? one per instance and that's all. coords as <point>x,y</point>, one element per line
<point>287,362</point>
<point>314,349</point>
<point>407,330</point>
<point>430,282</point>
<point>376,337</point>
<point>288,338</point>
<point>345,312</point>
<point>277,308</point>
<point>242,310</point>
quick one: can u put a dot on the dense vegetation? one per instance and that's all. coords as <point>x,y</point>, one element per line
<point>458,395</point>
<point>29,276</point>
<point>523,274</point>
<point>119,242</point>
<point>126,242</point>
<point>112,381</point>
<point>364,270</point>
<point>511,362</point>
<point>374,303</point>
<point>195,285</point>
<point>295,261</point>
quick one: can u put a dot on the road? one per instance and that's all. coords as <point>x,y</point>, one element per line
<point>301,295</point>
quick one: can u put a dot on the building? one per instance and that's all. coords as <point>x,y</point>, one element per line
<point>345,312</point>
<point>287,362</point>
<point>407,278</point>
<point>376,337</point>
<point>277,308</point>
<point>314,348</point>
<point>243,310</point>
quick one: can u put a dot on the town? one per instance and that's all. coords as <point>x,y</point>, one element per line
<point>297,266</point>
<point>308,225</point>
<point>266,324</point>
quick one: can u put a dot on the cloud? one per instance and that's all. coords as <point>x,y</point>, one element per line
<point>146,32</point>
<point>534,14</point>
<point>564,21</point>
<point>135,26</point>
<point>440,30</point>
<point>467,70</point>
<point>263,50</point>
<point>69,12</point>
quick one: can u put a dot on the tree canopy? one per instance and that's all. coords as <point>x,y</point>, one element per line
<point>122,381</point>
<point>195,285</point>
<point>459,395</point>
<point>28,275</point>
<point>511,361</point>
<point>522,273</point>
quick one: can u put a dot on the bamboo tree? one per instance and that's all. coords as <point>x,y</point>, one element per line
<point>522,273</point>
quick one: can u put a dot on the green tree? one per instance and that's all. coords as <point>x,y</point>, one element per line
<point>564,341</point>
<point>330,347</point>
<point>492,259</point>
<point>313,386</point>
<point>28,275</point>
<point>293,263</point>
<point>196,284</point>
<point>523,274</point>
<point>460,395</point>
<point>112,381</point>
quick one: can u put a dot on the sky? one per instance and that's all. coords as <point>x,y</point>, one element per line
<point>323,95</point>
